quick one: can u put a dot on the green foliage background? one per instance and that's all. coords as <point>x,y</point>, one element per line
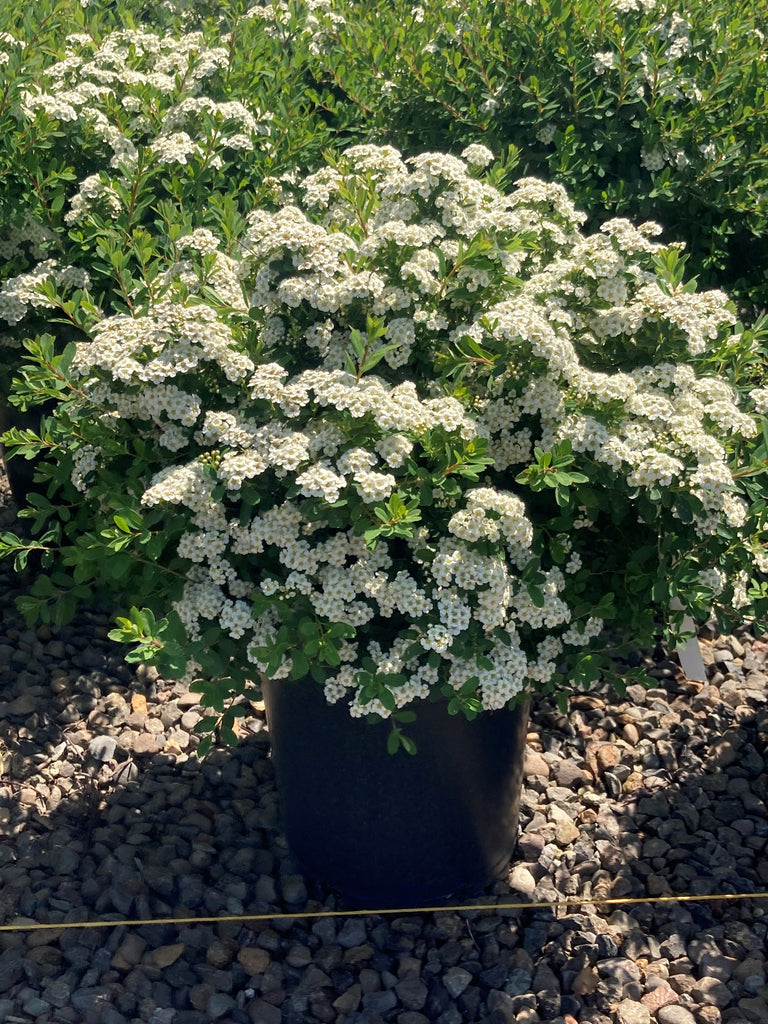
<point>438,75</point>
<point>456,72</point>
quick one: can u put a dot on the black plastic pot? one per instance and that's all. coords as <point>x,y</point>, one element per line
<point>396,830</point>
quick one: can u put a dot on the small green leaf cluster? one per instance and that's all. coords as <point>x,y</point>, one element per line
<point>395,519</point>
<point>308,642</point>
<point>552,470</point>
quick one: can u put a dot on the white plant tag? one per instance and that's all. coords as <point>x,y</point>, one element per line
<point>690,655</point>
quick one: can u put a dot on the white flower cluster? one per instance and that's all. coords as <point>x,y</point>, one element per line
<point>477,155</point>
<point>27,234</point>
<point>546,134</point>
<point>388,497</point>
<point>129,57</point>
<point>223,277</point>
<point>170,340</point>
<point>676,31</point>
<point>494,515</point>
<point>645,6</point>
<point>604,61</point>
<point>84,87</point>
<point>760,398</point>
<point>652,159</point>
<point>319,19</point>
<point>85,462</point>
<point>94,194</point>
<point>397,410</point>
<point>662,68</point>
<point>230,124</point>
<point>6,42</point>
<point>21,293</point>
<point>195,109</point>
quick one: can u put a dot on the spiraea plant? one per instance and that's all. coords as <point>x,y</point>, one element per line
<point>411,433</point>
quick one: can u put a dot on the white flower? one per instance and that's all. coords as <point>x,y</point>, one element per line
<point>760,398</point>
<point>652,159</point>
<point>477,155</point>
<point>708,150</point>
<point>394,449</point>
<point>546,134</point>
<point>713,578</point>
<point>320,481</point>
<point>374,487</point>
<point>604,61</point>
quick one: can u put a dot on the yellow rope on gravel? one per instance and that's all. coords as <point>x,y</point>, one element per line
<point>399,911</point>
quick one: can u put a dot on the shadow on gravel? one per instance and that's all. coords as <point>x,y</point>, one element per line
<point>146,838</point>
<point>105,814</point>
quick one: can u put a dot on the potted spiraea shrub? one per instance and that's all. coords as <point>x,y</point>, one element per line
<point>393,461</point>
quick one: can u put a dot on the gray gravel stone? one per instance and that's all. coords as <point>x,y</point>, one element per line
<point>219,1005</point>
<point>456,980</point>
<point>620,969</point>
<point>629,1011</point>
<point>711,991</point>
<point>675,1015</point>
<point>352,933</point>
<point>56,991</point>
<point>380,1002</point>
<point>521,880</point>
<point>11,970</point>
<point>91,1002</point>
<point>294,889</point>
<point>35,1006</point>
<point>163,1015</point>
<point>412,992</point>
<point>113,1016</point>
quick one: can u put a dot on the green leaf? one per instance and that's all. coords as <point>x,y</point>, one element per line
<point>299,665</point>
<point>408,745</point>
<point>374,358</point>
<point>406,717</point>
<point>537,596</point>
<point>207,724</point>
<point>330,655</point>
<point>357,342</point>
<point>228,735</point>
<point>204,746</point>
<point>387,698</point>
<point>469,687</point>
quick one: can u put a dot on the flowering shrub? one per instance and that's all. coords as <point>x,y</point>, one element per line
<point>409,434</point>
<point>110,128</point>
<point>642,108</point>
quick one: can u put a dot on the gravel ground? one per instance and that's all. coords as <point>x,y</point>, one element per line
<point>105,813</point>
